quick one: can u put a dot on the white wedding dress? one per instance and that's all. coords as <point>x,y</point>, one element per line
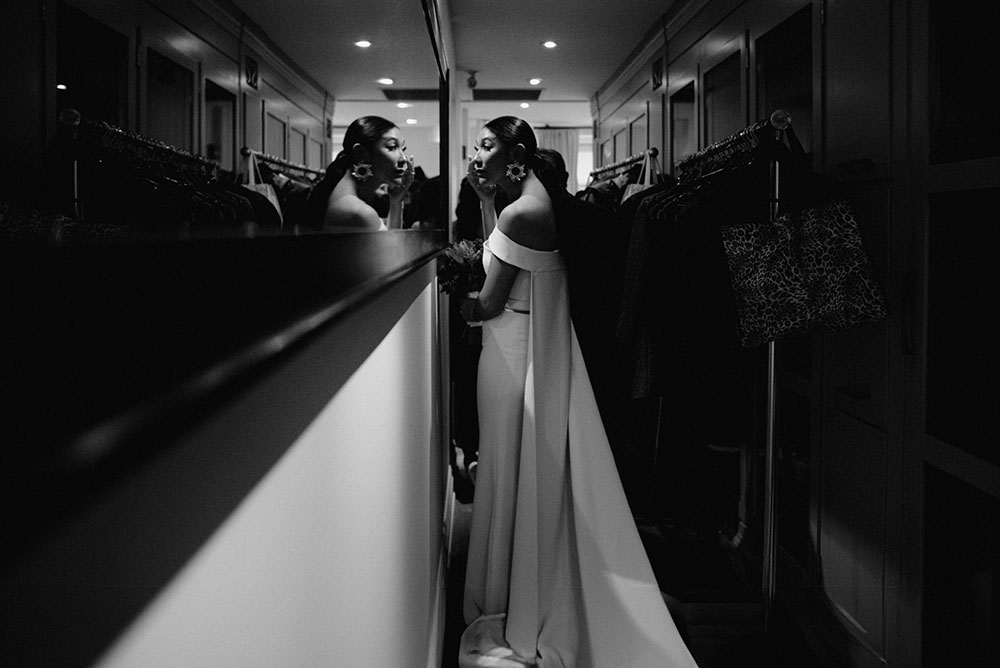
<point>557,576</point>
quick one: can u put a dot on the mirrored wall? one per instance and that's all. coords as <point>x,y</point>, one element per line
<point>161,111</point>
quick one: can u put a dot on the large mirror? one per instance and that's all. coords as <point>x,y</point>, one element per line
<point>129,88</point>
<point>381,62</point>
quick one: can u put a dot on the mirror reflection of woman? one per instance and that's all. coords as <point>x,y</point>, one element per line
<point>371,168</point>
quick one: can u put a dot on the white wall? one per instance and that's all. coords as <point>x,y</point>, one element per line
<point>424,144</point>
<point>334,558</point>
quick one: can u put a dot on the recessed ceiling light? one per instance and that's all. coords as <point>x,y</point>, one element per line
<point>404,105</point>
<point>364,44</point>
<point>549,44</point>
<point>525,105</point>
<point>411,121</point>
<point>385,81</point>
<point>60,86</point>
<point>535,81</point>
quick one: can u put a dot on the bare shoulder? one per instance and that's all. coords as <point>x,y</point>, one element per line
<point>351,211</point>
<point>529,222</point>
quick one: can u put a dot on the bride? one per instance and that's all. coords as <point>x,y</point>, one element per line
<point>557,576</point>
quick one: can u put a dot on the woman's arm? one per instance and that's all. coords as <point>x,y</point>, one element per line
<point>492,298</point>
<point>394,221</point>
<point>489,211</point>
<point>487,202</point>
<point>397,194</point>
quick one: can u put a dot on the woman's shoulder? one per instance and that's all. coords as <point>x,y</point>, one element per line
<point>529,221</point>
<point>348,210</point>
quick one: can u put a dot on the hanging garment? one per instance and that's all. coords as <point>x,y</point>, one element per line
<point>806,271</point>
<point>557,576</point>
<point>649,176</point>
<point>293,192</point>
<point>606,192</point>
<point>255,184</point>
<point>677,314</point>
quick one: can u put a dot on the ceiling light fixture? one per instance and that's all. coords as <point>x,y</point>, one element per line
<point>549,44</point>
<point>525,105</point>
<point>385,81</point>
<point>60,86</point>
<point>411,121</point>
<point>364,44</point>
<point>535,81</point>
<point>404,105</point>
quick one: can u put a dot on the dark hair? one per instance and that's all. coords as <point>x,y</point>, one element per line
<point>366,131</point>
<point>550,168</point>
<point>511,130</point>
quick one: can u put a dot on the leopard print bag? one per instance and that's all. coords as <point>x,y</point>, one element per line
<point>804,272</point>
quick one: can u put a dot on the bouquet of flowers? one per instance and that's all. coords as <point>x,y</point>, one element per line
<point>460,268</point>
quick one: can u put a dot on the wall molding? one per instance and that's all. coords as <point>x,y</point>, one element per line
<point>255,38</point>
<point>654,40</point>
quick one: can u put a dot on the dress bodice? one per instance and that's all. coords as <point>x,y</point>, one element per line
<point>528,259</point>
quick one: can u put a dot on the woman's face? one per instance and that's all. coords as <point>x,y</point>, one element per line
<point>389,161</point>
<point>489,163</point>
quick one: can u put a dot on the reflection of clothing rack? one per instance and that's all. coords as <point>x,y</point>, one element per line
<point>105,135</point>
<point>722,154</point>
<point>246,151</point>
<point>94,138</point>
<point>621,165</point>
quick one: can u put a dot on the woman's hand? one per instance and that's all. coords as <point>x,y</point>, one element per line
<point>486,193</point>
<point>398,192</point>
<point>467,308</point>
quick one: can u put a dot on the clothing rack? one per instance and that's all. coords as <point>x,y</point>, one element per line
<point>705,161</point>
<point>627,162</point>
<point>246,152</point>
<point>88,134</point>
<point>711,158</point>
<point>108,136</point>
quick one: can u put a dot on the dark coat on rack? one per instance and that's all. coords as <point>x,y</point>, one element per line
<point>678,316</point>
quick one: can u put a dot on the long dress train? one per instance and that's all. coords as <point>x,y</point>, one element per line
<point>557,576</point>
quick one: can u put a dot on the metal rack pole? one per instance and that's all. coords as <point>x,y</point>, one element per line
<point>691,168</point>
<point>768,575</point>
<point>246,151</point>
<point>631,160</point>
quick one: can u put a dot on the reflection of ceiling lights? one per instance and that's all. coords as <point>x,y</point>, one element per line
<point>364,44</point>
<point>411,121</point>
<point>535,81</point>
<point>404,105</point>
<point>60,86</point>
<point>549,44</point>
<point>525,105</point>
<point>385,81</point>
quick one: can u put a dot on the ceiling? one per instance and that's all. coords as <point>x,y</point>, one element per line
<point>501,42</point>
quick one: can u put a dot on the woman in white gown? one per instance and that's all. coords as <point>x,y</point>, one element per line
<point>557,576</point>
